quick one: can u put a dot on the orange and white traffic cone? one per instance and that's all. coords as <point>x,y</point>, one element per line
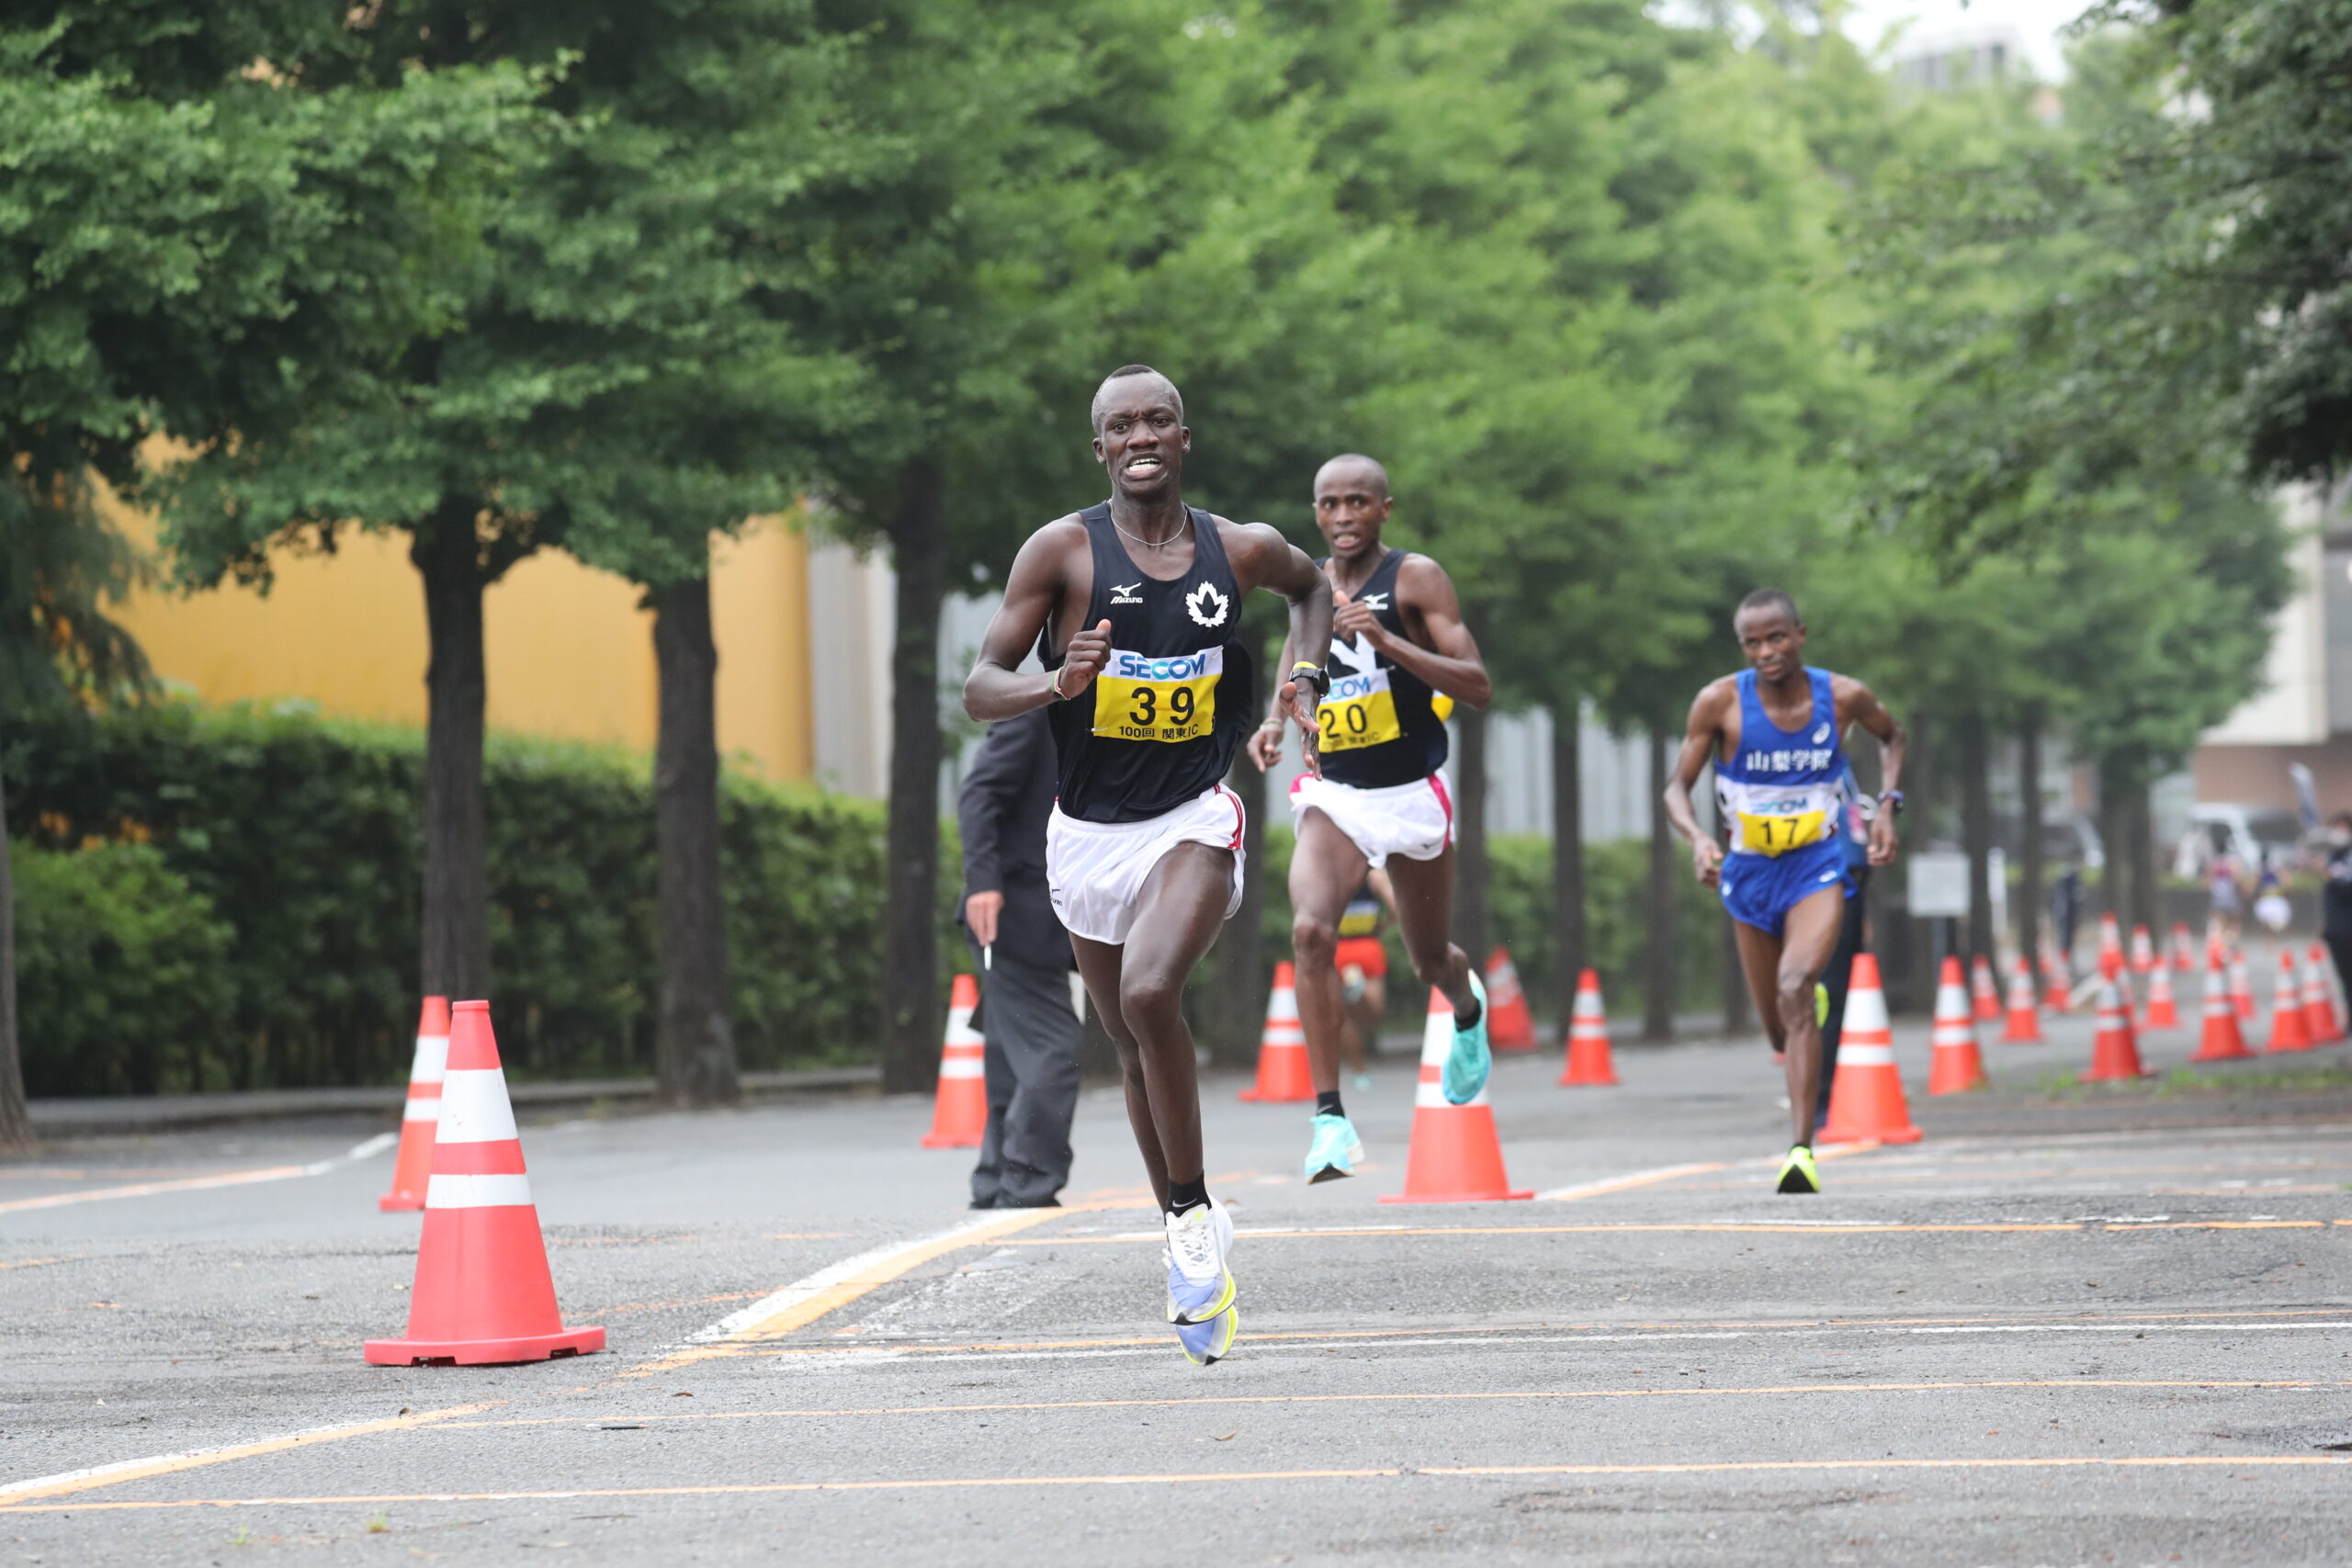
<point>1866,1103</point>
<point>2024,1025</point>
<point>1956,1065</point>
<point>2162,1012</point>
<point>1283,1070</point>
<point>2287,1031</point>
<point>2223,1040</point>
<point>1509,1026</point>
<point>2114,1053</point>
<point>2241,986</point>
<point>1456,1156</point>
<point>2110,945</point>
<point>1984,996</point>
<point>482,1293</point>
<point>2143,950</point>
<point>1590,1064</point>
<point>413,1166</point>
<point>2058,983</point>
<point>2319,998</point>
<point>2184,951</point>
<point>959,1111</point>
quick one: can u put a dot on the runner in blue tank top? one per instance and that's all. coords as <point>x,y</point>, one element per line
<point>1776,734</point>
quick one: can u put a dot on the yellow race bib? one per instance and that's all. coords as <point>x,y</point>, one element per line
<point>1359,711</point>
<point>1777,833</point>
<point>1170,698</point>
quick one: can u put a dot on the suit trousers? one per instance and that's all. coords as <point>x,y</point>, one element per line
<point>1032,1067</point>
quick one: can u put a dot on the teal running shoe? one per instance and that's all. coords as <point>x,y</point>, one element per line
<point>1205,1344</point>
<point>1199,1284</point>
<point>1335,1150</point>
<point>1468,1064</point>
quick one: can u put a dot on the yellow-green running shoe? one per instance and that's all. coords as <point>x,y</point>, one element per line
<point>1798,1173</point>
<point>1206,1343</point>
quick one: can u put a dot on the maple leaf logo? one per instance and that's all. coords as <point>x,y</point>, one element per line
<point>1200,600</point>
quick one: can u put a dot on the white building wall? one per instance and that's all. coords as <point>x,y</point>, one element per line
<point>2291,709</point>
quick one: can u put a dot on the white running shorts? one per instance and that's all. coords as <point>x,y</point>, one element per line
<point>1095,871</point>
<point>1415,820</point>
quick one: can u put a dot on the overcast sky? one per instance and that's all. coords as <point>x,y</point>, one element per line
<point>2037,22</point>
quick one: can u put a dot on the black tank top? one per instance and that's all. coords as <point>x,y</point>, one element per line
<point>1378,728</point>
<point>1159,725</point>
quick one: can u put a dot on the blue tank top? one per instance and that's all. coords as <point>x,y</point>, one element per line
<point>1783,789</point>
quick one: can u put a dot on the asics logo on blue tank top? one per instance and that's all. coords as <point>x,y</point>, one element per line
<point>1821,735</point>
<point>1177,667</point>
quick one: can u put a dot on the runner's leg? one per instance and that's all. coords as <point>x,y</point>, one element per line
<point>1099,966</point>
<point>1808,937</point>
<point>1325,869</point>
<point>1178,917</point>
<point>1760,960</point>
<point>1424,917</point>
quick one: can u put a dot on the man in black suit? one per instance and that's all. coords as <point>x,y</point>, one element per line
<point>1026,1012</point>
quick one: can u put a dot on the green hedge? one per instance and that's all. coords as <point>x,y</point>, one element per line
<point>299,837</point>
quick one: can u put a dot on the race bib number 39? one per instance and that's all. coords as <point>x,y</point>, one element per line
<point>1360,711</point>
<point>1139,697</point>
<point>1777,834</point>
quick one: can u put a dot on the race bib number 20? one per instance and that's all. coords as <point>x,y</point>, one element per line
<point>1360,711</point>
<point>1172,698</point>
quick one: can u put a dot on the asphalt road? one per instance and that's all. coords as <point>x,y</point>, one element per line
<point>2063,1330</point>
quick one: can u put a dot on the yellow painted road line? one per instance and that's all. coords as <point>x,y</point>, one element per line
<point>381,1499</point>
<point>374,1145</point>
<point>1537,1395</point>
<point>804,1301</point>
<point>75,1481</point>
<point>42,1263</point>
<point>1626,1183</point>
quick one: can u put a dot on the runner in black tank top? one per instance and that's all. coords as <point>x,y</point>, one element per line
<point>1378,728</point>
<point>1382,799</point>
<point>1132,606</point>
<point>1158,727</point>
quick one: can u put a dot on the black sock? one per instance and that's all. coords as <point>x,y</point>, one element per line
<point>1187,1195</point>
<point>1467,1019</point>
<point>1327,1103</point>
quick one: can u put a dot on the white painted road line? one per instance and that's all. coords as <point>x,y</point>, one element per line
<point>372,1146</point>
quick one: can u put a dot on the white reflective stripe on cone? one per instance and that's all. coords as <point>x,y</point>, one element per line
<point>431,1058</point>
<point>1853,1053</point>
<point>422,1111</point>
<point>474,1107</point>
<point>478,1191</point>
<point>963,1068</point>
<point>1432,1097</point>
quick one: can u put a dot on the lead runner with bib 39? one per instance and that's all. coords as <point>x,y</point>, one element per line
<point>1382,800</point>
<point>1134,606</point>
<point>1776,733</point>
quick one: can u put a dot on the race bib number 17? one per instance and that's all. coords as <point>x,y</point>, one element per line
<point>1139,697</point>
<point>1777,834</point>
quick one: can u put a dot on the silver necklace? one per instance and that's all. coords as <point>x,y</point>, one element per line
<point>1157,544</point>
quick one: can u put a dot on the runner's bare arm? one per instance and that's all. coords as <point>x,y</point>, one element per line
<point>1265,746</point>
<point>1857,703</point>
<point>1698,747</point>
<point>996,689</point>
<point>1262,559</point>
<point>1448,660</point>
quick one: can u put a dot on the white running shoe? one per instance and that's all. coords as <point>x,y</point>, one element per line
<point>1200,1285</point>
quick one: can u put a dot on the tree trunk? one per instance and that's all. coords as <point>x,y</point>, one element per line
<point>911,1013</point>
<point>1470,838</point>
<point>694,1050</point>
<point>1240,952</point>
<point>16,1124</point>
<point>2115,876</point>
<point>2032,869</point>
<point>1657,953</point>
<point>1569,941</point>
<point>453,957</point>
<point>1976,836</point>
<point>2140,815</point>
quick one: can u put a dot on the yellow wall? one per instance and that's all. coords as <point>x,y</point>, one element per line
<point>570,653</point>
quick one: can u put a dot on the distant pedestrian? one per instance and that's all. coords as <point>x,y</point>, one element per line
<point>2270,906</point>
<point>2336,899</point>
<point>2067,910</point>
<point>2225,897</point>
<point>1026,1012</point>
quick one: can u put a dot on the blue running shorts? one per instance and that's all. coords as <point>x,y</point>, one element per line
<point>1761,890</point>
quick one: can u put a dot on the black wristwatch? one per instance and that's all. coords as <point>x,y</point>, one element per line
<point>1315,672</point>
<point>1893,799</point>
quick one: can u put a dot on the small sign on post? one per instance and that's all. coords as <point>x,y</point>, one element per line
<point>1937,885</point>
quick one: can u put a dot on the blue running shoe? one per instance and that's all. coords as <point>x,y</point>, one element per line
<point>1206,1343</point>
<point>1468,1064</point>
<point>1335,1150</point>
<point>1199,1284</point>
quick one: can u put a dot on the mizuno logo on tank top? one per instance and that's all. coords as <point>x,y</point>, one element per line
<point>1781,789</point>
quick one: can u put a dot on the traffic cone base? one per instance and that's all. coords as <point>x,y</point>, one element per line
<point>482,1294</point>
<point>959,1111</point>
<point>1509,1025</point>
<point>420,1115</point>
<point>1956,1066</point>
<point>1283,1072</point>
<point>2114,1053</point>
<point>1590,1063</point>
<point>2223,1040</point>
<point>1456,1156</point>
